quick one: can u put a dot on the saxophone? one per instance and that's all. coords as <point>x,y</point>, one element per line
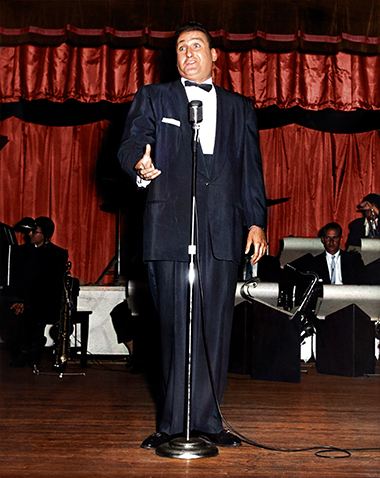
<point>62,344</point>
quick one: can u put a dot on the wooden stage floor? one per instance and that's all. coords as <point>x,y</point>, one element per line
<point>92,426</point>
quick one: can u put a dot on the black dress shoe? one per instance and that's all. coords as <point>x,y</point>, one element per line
<point>223,438</point>
<point>155,440</point>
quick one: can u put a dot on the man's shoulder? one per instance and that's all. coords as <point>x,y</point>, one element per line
<point>57,250</point>
<point>158,88</point>
<point>320,255</point>
<point>320,259</point>
<point>353,256</point>
<point>356,223</point>
<point>51,245</point>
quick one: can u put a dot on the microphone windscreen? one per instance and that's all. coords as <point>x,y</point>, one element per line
<point>195,112</point>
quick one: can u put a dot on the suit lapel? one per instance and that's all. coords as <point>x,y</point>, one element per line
<point>181,103</point>
<point>221,137</point>
<point>325,274</point>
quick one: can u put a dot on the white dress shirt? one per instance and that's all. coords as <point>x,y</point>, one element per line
<point>338,268</point>
<point>368,225</point>
<point>207,128</point>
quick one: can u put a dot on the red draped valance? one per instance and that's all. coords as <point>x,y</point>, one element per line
<point>276,25</point>
<point>343,81</point>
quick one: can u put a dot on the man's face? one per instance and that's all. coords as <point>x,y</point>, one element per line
<point>331,240</point>
<point>37,237</point>
<point>194,56</point>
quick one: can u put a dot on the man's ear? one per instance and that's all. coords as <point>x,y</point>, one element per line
<point>214,55</point>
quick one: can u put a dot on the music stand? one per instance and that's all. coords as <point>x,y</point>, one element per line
<point>370,250</point>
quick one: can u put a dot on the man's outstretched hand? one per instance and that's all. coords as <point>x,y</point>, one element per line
<point>145,167</point>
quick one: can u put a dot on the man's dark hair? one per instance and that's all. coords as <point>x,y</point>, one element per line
<point>332,225</point>
<point>192,27</point>
<point>46,225</point>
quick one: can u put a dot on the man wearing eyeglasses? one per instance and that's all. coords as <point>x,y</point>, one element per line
<point>36,286</point>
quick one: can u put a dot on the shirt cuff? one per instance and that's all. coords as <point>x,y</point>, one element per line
<point>142,183</point>
<point>255,225</point>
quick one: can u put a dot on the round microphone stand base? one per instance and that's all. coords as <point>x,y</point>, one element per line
<point>187,449</point>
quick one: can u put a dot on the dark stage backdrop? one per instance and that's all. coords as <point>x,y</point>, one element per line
<point>276,25</point>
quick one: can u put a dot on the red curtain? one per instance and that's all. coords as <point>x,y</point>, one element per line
<point>343,81</point>
<point>66,72</point>
<point>48,171</point>
<point>51,170</point>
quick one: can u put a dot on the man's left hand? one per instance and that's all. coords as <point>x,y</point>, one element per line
<point>257,238</point>
<point>371,210</point>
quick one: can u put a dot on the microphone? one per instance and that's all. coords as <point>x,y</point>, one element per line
<point>195,112</point>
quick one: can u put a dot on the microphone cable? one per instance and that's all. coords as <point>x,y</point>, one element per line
<point>326,451</point>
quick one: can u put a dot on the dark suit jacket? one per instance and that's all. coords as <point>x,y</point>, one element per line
<point>229,196</point>
<point>38,278</point>
<point>351,264</point>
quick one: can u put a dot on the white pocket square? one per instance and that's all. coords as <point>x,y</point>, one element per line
<point>171,121</point>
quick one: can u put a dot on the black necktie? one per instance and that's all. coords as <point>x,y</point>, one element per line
<point>204,86</point>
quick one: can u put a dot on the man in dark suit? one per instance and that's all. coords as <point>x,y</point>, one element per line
<point>156,151</point>
<point>36,290</point>
<point>333,266</point>
<point>368,224</point>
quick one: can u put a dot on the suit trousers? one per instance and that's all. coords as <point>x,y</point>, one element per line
<point>169,282</point>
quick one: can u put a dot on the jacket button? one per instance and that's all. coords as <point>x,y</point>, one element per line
<point>207,184</point>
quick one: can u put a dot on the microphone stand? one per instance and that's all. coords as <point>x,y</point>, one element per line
<point>188,448</point>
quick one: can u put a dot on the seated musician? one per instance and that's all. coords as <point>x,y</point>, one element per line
<point>333,266</point>
<point>336,266</point>
<point>36,288</point>
<point>368,224</point>
<point>367,227</point>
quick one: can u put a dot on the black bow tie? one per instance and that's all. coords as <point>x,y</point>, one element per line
<point>204,86</point>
